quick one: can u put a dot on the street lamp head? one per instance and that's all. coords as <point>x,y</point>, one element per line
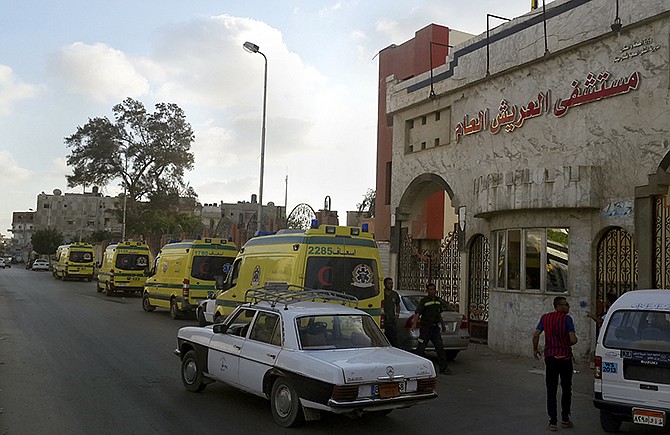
<point>251,47</point>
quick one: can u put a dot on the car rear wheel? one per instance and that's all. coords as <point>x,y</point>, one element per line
<point>286,408</point>
<point>609,422</point>
<point>174,309</point>
<point>451,354</point>
<point>191,373</point>
<point>146,304</point>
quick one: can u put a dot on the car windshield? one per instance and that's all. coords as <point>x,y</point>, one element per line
<point>132,261</point>
<point>208,268</point>
<point>411,302</point>
<point>638,330</point>
<point>354,276</point>
<point>339,332</point>
<point>81,257</point>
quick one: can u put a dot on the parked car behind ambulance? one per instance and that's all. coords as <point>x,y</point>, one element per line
<point>632,376</point>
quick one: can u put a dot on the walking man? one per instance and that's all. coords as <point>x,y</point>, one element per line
<point>559,337</point>
<point>391,311</point>
<point>429,310</point>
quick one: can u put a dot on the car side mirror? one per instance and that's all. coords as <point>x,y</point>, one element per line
<point>220,328</point>
<point>220,282</point>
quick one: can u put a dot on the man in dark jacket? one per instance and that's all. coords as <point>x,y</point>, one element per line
<point>429,310</point>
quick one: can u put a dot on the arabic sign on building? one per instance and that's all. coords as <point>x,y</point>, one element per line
<point>510,117</point>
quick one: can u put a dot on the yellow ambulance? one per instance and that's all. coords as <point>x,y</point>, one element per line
<point>339,258</point>
<point>124,267</point>
<point>185,272</point>
<point>74,260</point>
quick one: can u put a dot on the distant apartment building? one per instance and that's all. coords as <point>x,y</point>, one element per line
<point>77,215</point>
<point>23,225</point>
<point>238,220</point>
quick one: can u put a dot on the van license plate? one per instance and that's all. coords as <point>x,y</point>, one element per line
<point>389,390</point>
<point>651,418</point>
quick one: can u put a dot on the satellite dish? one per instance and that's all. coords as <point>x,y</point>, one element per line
<point>57,192</point>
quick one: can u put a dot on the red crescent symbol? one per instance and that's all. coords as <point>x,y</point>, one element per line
<point>322,280</point>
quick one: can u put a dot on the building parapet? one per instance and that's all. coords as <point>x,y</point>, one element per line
<point>538,188</point>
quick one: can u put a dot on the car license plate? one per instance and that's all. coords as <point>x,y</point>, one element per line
<point>389,390</point>
<point>648,417</point>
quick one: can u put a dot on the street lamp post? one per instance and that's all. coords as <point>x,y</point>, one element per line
<point>253,48</point>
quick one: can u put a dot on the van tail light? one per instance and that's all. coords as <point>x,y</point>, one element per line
<point>464,322</point>
<point>598,372</point>
<point>413,322</point>
<point>186,289</point>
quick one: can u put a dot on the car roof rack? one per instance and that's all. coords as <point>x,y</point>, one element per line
<point>286,294</point>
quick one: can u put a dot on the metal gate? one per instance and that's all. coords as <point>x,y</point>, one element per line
<point>417,267</point>
<point>479,266</point>
<point>616,266</point>
<point>661,243</point>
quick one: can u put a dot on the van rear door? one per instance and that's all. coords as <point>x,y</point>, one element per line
<point>635,356</point>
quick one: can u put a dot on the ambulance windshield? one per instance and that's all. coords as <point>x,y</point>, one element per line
<point>354,276</point>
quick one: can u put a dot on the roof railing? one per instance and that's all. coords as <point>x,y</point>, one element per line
<point>286,294</point>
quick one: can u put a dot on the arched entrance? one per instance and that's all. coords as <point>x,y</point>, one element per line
<point>427,238</point>
<point>479,266</point>
<point>616,270</point>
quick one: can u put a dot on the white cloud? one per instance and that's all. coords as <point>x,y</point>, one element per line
<point>12,171</point>
<point>100,72</point>
<point>13,89</point>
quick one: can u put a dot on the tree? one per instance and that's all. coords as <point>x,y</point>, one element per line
<point>46,241</point>
<point>147,152</point>
<point>367,206</point>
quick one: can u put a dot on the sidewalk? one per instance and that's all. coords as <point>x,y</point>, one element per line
<point>489,392</point>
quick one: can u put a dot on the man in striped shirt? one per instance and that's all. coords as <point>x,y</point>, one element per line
<point>559,337</point>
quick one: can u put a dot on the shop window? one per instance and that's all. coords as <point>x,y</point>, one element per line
<point>531,259</point>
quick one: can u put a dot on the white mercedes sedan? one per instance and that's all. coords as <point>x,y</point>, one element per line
<point>307,354</point>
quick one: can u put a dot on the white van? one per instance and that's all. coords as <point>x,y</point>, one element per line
<point>632,374</point>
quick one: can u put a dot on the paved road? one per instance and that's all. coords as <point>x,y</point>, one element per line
<point>73,361</point>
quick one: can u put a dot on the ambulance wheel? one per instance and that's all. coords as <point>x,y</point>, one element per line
<point>146,304</point>
<point>609,422</point>
<point>218,318</point>
<point>174,309</point>
<point>97,287</point>
<point>201,317</point>
<point>108,289</point>
<point>191,373</point>
<point>286,408</point>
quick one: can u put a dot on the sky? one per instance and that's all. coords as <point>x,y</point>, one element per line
<point>62,63</point>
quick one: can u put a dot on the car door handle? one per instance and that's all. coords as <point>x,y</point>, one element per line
<point>271,355</point>
<point>237,347</point>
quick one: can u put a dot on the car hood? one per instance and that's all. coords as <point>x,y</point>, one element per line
<point>375,364</point>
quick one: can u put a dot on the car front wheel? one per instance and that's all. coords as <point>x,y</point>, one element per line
<point>286,408</point>
<point>201,317</point>
<point>146,304</point>
<point>191,373</point>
